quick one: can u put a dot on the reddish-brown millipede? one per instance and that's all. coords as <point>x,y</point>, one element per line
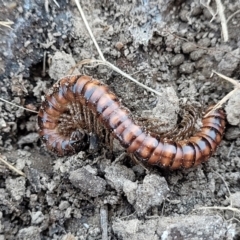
<point>80,105</point>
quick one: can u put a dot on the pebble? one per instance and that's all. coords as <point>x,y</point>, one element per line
<point>29,138</point>
<point>232,133</point>
<point>229,62</point>
<point>16,187</point>
<point>117,174</point>
<point>196,55</point>
<point>150,193</point>
<point>29,233</point>
<point>87,182</point>
<point>233,109</point>
<point>64,205</point>
<point>178,227</point>
<point>37,217</point>
<point>204,42</point>
<point>119,46</point>
<point>184,15</point>
<point>188,47</point>
<point>187,68</point>
<point>177,60</point>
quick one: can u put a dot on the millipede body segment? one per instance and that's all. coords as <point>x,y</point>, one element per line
<point>79,106</point>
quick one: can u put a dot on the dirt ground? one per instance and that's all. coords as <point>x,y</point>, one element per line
<point>170,46</point>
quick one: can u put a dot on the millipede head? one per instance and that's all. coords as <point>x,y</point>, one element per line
<point>79,140</point>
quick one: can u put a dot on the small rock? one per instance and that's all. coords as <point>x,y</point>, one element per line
<point>87,182</point>
<point>150,193</point>
<point>188,47</point>
<point>207,14</point>
<point>232,133</point>
<point>229,62</point>
<point>165,111</point>
<point>184,14</point>
<point>117,174</point>
<point>50,200</point>
<point>2,123</point>
<point>204,42</point>
<point>195,227</point>
<point>135,229</point>
<point>29,233</point>
<point>192,227</point>
<point>61,64</point>
<point>30,138</point>
<point>130,188</point>
<point>196,55</point>
<point>234,197</point>
<point>119,46</point>
<point>223,49</point>
<point>16,187</point>
<point>37,217</point>
<point>177,59</point>
<point>69,236</point>
<point>197,10</point>
<point>187,68</point>
<point>34,178</point>
<point>63,205</point>
<point>233,109</point>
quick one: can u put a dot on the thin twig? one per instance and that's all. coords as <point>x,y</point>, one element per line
<point>207,5</point>
<point>219,208</point>
<point>222,19</point>
<point>12,167</point>
<point>230,149</point>
<point>231,16</point>
<point>44,64</point>
<point>233,81</point>
<point>229,193</point>
<point>104,61</point>
<point>56,3</point>
<point>6,23</point>
<point>116,69</point>
<point>17,105</point>
<point>104,221</point>
<point>221,102</point>
<point>89,30</point>
<point>220,12</point>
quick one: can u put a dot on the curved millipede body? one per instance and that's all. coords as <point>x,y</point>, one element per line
<point>79,106</point>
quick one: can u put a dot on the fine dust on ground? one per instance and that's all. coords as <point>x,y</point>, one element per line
<point>171,46</point>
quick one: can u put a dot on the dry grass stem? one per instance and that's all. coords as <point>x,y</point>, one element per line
<point>18,106</point>
<point>103,61</point>
<point>116,69</point>
<point>220,208</point>
<point>231,16</point>
<point>104,221</point>
<point>10,166</point>
<point>220,103</point>
<point>210,9</point>
<point>6,23</point>
<point>56,3</point>
<point>44,63</point>
<point>89,30</point>
<point>220,10</point>
<point>233,81</point>
<point>229,193</point>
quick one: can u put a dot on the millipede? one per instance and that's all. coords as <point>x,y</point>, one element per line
<point>79,106</point>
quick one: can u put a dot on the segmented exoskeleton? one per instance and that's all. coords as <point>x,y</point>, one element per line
<point>80,105</point>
